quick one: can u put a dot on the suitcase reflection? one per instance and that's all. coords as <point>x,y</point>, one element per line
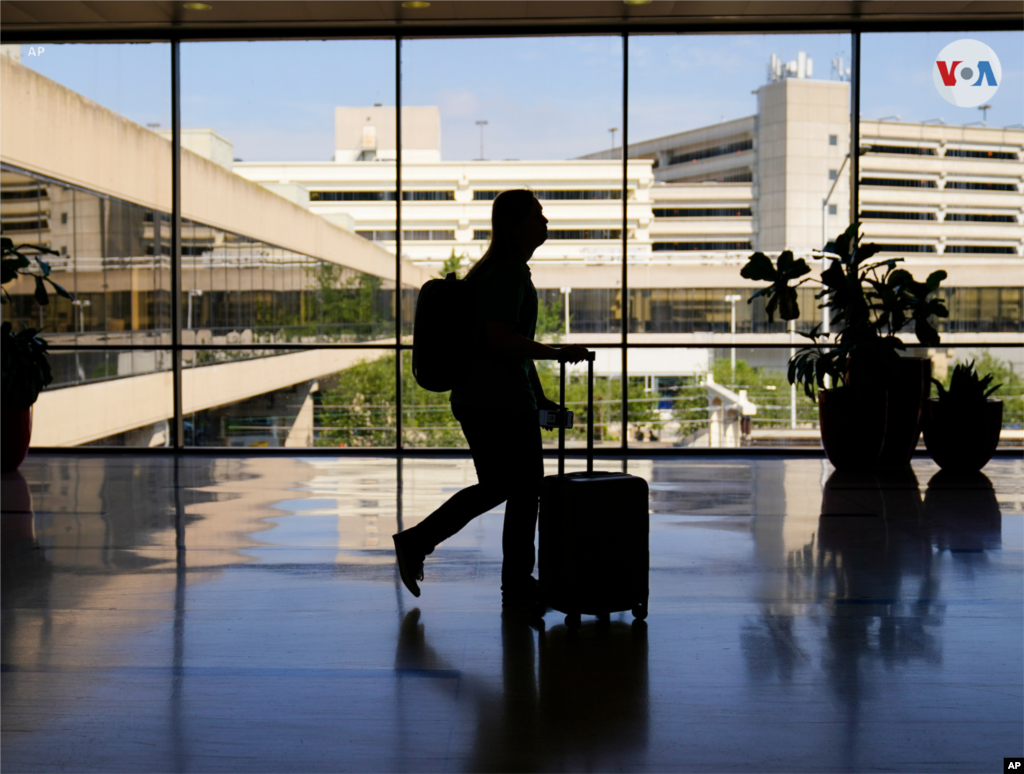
<point>567,699</point>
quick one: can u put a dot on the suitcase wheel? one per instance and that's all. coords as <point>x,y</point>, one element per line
<point>640,611</point>
<point>572,620</point>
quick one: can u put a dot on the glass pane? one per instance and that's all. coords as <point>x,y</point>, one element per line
<point>429,421</point>
<point>607,400</point>
<point>940,174</point>
<point>288,193</point>
<point>240,290</point>
<point>427,416</point>
<point>720,397</point>
<point>745,137</point>
<point>505,123</point>
<point>107,397</point>
<point>298,399</point>
<point>86,177</point>
<point>1006,366</point>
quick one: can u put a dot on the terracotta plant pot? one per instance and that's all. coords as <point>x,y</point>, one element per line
<point>905,410</point>
<point>15,434</point>
<point>852,427</point>
<point>962,441</point>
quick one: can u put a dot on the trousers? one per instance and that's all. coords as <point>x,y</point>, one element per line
<point>507,455</point>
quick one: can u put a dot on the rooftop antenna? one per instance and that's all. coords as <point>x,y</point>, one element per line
<point>984,113</point>
<point>839,69</point>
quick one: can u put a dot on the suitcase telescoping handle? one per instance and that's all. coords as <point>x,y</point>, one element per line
<point>590,416</point>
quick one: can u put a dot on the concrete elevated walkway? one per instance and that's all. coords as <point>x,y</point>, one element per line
<point>76,415</point>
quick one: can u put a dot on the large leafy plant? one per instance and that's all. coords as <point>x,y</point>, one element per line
<point>25,368</point>
<point>869,302</point>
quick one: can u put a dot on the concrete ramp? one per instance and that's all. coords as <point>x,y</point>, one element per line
<point>75,415</point>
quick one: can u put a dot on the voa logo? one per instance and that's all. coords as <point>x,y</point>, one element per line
<point>967,73</point>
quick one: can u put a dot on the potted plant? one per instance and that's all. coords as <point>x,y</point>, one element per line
<point>962,425</point>
<point>871,398</point>
<point>26,370</point>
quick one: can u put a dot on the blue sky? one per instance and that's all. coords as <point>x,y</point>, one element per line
<point>543,98</point>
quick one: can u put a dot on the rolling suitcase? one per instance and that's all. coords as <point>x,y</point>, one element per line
<point>594,556</point>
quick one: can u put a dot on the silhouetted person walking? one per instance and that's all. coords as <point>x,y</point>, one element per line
<point>497,405</point>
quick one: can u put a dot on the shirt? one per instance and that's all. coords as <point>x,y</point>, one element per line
<point>502,291</point>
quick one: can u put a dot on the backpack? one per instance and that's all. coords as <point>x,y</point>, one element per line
<point>443,318</point>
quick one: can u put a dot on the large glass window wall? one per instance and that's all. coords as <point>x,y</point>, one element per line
<point>941,167</point>
<point>304,207</point>
<point>745,135</point>
<point>506,123</point>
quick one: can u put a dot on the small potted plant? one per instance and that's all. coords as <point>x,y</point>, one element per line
<point>868,392</point>
<point>962,425</point>
<point>26,370</point>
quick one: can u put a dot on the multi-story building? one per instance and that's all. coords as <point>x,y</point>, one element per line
<point>447,204</point>
<point>309,262</point>
<point>698,202</point>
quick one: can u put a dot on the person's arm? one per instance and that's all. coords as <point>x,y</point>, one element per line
<point>502,338</point>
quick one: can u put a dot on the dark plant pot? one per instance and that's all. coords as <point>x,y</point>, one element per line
<point>905,410</point>
<point>891,495</point>
<point>852,426</point>
<point>961,512</point>
<point>15,434</point>
<point>962,441</point>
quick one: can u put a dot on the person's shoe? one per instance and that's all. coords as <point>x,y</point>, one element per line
<point>523,597</point>
<point>410,563</point>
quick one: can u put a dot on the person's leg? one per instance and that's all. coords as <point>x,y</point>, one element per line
<point>525,471</point>
<point>483,431</point>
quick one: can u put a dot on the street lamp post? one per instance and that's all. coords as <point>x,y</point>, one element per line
<point>481,124</point>
<point>566,292</point>
<point>792,387</point>
<point>81,304</point>
<point>732,299</point>
<point>613,130</point>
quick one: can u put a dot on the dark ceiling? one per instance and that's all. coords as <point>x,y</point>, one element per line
<point>55,20</point>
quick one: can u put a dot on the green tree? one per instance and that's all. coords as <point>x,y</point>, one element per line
<point>357,407</point>
<point>453,263</point>
<point>643,410</point>
<point>268,315</point>
<point>361,315</point>
<point>346,304</point>
<point>550,321</point>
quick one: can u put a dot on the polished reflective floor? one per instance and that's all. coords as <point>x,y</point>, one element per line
<point>246,615</point>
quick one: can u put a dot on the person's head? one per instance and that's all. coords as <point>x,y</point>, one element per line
<point>517,219</point>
